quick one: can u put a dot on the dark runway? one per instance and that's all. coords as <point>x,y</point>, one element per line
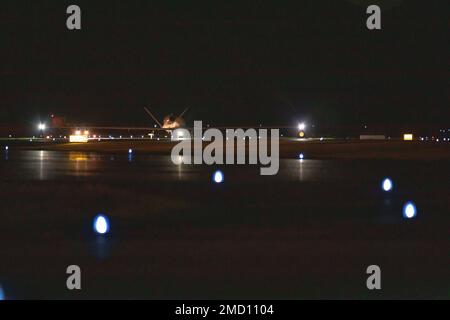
<point>309,232</point>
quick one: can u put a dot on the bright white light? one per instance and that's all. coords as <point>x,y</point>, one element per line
<point>78,138</point>
<point>301,126</point>
<point>218,176</point>
<point>101,224</point>
<point>409,210</point>
<point>301,156</point>
<point>130,151</point>
<point>6,148</point>
<point>387,184</point>
<point>408,136</point>
<point>41,126</point>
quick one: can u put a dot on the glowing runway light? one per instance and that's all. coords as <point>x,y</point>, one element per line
<point>387,184</point>
<point>130,151</point>
<point>301,156</point>
<point>409,210</point>
<point>101,224</point>
<point>6,148</point>
<point>218,176</point>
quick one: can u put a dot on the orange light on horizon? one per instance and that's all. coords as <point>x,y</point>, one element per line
<point>78,138</point>
<point>408,137</point>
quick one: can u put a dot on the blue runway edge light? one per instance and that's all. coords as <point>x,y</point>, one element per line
<point>218,176</point>
<point>130,151</point>
<point>409,210</point>
<point>301,156</point>
<point>101,224</point>
<point>387,184</point>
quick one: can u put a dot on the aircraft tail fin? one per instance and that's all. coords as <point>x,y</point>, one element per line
<point>181,114</point>
<point>153,117</point>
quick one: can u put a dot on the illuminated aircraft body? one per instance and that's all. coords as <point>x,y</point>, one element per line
<point>169,122</point>
<point>168,125</point>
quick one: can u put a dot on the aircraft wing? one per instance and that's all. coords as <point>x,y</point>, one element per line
<point>165,129</point>
<point>111,128</point>
<point>245,127</point>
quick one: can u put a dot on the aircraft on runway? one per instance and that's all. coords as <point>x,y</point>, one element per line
<point>169,122</point>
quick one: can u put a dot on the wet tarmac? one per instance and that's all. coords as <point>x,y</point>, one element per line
<point>308,232</point>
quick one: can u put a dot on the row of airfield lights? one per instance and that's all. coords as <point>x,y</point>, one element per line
<point>101,223</point>
<point>42,126</point>
<point>301,134</point>
<point>301,127</point>
<point>409,208</point>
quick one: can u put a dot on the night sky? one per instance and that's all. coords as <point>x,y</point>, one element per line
<point>271,63</point>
